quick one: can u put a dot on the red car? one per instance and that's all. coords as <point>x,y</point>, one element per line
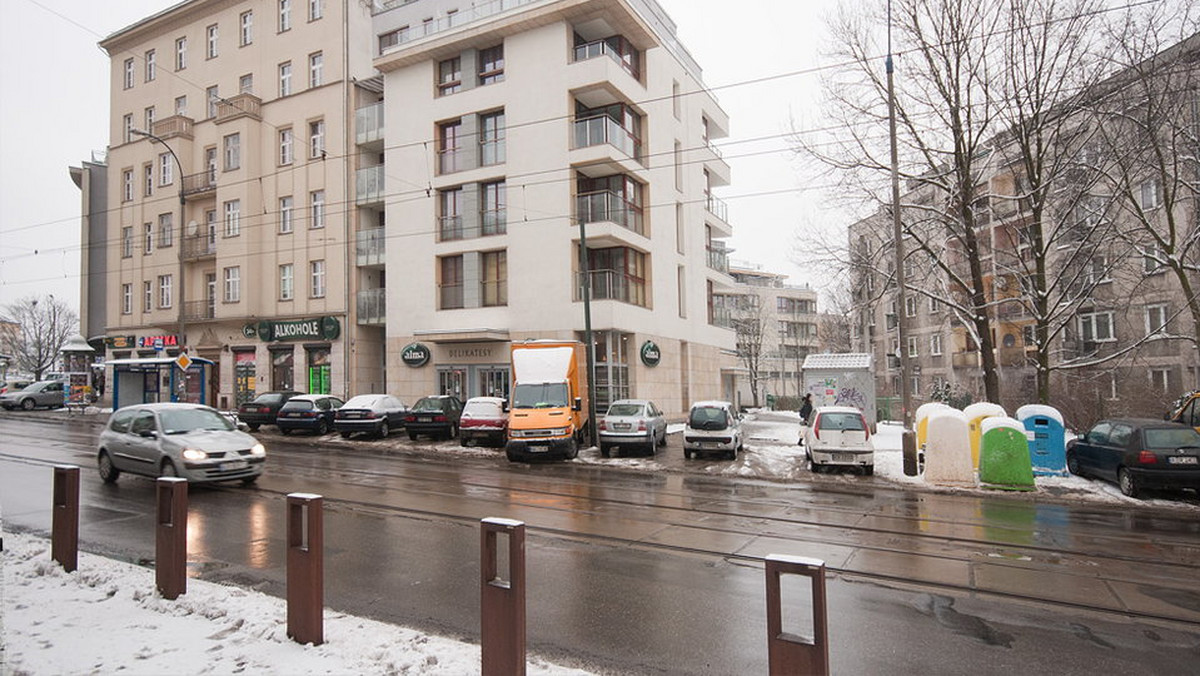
<point>483,420</point>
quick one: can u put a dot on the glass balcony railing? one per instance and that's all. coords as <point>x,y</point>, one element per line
<point>603,205</point>
<point>613,285</point>
<point>479,10</point>
<point>722,316</point>
<point>601,129</point>
<point>368,123</point>
<point>450,227</point>
<point>372,307</point>
<point>628,61</point>
<point>718,259</point>
<point>368,185</point>
<point>369,246</point>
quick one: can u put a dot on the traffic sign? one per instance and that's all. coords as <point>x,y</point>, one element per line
<point>183,361</point>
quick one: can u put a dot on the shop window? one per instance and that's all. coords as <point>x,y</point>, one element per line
<point>318,371</point>
<point>283,369</point>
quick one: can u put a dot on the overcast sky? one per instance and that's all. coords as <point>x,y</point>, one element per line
<point>54,114</point>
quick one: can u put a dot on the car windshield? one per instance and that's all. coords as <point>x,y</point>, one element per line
<point>268,398</point>
<point>1172,437</point>
<point>429,404</point>
<point>186,420</point>
<point>541,395</point>
<point>625,409</point>
<point>363,401</point>
<point>707,418</point>
<point>841,421</point>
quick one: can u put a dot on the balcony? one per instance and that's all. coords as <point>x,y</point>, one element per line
<point>965,360</point>
<point>602,129</point>
<point>722,316</point>
<point>241,105</point>
<point>480,10</point>
<point>199,247</point>
<point>368,186</point>
<point>173,126</point>
<point>199,310</point>
<point>370,247</point>
<point>717,207</point>
<point>200,184</point>
<point>372,307</point>
<point>368,125</point>
<point>606,206</point>
<point>718,259</point>
<point>613,285</point>
<point>616,48</point>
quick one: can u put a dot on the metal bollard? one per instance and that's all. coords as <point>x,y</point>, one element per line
<point>908,446</point>
<point>502,602</point>
<point>170,559</point>
<point>305,568</point>
<point>788,653</point>
<point>64,533</point>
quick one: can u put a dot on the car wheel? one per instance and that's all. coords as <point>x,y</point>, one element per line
<point>250,480</point>
<point>1127,483</point>
<point>345,435</point>
<point>687,455</point>
<point>168,469</point>
<point>28,404</point>
<point>605,450</point>
<point>868,470</point>
<point>1073,464</point>
<point>732,454</point>
<point>662,441</point>
<point>512,456</point>
<point>452,433</point>
<point>651,448</point>
<point>814,467</point>
<point>412,436</point>
<point>108,472</point>
<point>384,430</point>
<point>285,431</point>
<point>322,427</point>
<point>253,427</point>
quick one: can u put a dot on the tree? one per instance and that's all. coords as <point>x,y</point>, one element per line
<point>45,326</point>
<point>749,325</point>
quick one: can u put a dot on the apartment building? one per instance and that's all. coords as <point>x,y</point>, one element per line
<point>232,173</point>
<point>521,134</point>
<point>776,325</point>
<point>91,177</point>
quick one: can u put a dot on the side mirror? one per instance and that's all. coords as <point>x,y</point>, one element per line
<point>148,434</point>
<point>504,406</point>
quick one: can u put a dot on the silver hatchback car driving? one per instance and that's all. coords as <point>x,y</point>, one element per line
<point>190,441</point>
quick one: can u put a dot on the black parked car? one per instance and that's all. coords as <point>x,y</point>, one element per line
<point>374,414</point>
<point>436,416</point>
<point>264,409</point>
<point>1138,453</point>
<point>312,412</point>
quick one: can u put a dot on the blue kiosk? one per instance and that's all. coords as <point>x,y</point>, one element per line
<point>153,379</point>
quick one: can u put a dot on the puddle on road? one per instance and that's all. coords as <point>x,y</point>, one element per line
<point>941,609</point>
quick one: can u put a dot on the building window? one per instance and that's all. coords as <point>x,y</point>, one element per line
<point>285,146</point>
<point>285,79</point>
<point>494,278</point>
<point>1156,319</point>
<point>128,73</point>
<point>1153,258</point>
<point>213,97</point>
<point>616,199</point>
<point>675,100</point>
<point>285,215</point>
<point>912,346</point>
<point>233,218</point>
<point>127,127</point>
<point>147,296</point>
<point>935,345</point>
<point>151,69</point>
<point>127,241</point>
<point>1151,193</point>
<point>618,273</point>
<point>317,200</point>
<point>149,119</point>
<point>286,282</point>
<point>164,291</point>
<point>491,65</point>
<point>148,179</point>
<point>246,83</point>
<point>491,138</point>
<point>449,76</point>
<point>147,238</point>
<point>450,223</point>
<point>1096,327</point>
<point>246,36</point>
<point>450,282</point>
<point>180,53</point>
<point>126,299</point>
<point>494,212</point>
<point>166,231</point>
<point>910,306</point>
<point>316,139</point>
<point>181,105</point>
<point>1097,270</point>
<point>126,185</point>
<point>166,169</point>
<point>315,10</point>
<point>316,66</point>
<point>233,284</point>
<point>1160,380</point>
<point>448,146</point>
<point>317,275</point>
<point>233,152</point>
<point>285,15</point>
<point>213,35</point>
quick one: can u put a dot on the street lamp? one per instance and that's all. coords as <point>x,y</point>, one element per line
<point>182,328</point>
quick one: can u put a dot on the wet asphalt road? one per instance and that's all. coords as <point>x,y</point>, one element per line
<point>637,573</point>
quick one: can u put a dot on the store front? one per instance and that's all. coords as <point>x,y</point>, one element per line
<point>464,370</point>
<point>299,355</point>
<point>144,380</point>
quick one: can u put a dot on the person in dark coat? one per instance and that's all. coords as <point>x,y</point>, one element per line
<point>806,408</point>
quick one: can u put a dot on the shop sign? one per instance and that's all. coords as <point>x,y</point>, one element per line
<point>158,342</point>
<point>650,353</point>
<point>415,355</point>
<point>319,328</point>
<point>120,342</point>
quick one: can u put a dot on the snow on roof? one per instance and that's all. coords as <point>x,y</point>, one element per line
<point>848,360</point>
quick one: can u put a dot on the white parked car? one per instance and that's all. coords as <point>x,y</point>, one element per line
<point>839,436</point>
<point>713,427</point>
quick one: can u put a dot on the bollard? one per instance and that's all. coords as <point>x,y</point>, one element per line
<point>788,653</point>
<point>908,445</point>
<point>170,560</point>
<point>305,568</point>
<point>64,537</point>
<point>502,603</point>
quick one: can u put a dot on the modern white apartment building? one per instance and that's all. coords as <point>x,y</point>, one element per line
<point>232,172</point>
<point>515,129</point>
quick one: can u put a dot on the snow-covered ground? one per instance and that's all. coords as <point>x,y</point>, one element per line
<point>107,618</point>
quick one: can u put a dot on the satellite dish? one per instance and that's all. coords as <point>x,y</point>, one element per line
<point>191,228</point>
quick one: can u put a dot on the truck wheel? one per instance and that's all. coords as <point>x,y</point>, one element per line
<point>573,449</point>
<point>512,456</point>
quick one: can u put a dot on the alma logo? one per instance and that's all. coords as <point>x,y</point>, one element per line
<point>415,355</point>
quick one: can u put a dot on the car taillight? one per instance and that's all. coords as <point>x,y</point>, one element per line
<point>641,425</point>
<point>1147,458</point>
<point>439,418</point>
<point>410,418</point>
<point>602,426</point>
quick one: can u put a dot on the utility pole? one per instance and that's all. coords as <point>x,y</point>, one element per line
<point>589,344</point>
<point>898,235</point>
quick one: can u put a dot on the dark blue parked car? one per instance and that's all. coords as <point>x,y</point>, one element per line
<point>312,412</point>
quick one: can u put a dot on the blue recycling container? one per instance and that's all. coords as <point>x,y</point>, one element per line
<point>1047,439</point>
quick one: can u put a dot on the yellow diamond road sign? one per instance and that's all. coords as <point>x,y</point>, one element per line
<point>183,362</point>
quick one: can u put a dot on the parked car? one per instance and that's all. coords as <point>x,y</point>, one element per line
<point>312,412</point>
<point>264,409</point>
<point>374,414</point>
<point>1138,453</point>
<point>190,441</point>
<point>47,393</point>
<point>435,416</point>
<point>483,420</point>
<point>631,423</point>
<point>14,384</point>
<point>713,427</point>
<point>839,437</point>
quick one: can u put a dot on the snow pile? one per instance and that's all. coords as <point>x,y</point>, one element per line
<point>106,617</point>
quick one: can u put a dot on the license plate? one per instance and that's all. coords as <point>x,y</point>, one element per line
<point>539,449</point>
<point>621,427</point>
<point>424,418</point>
<point>711,444</point>
<point>354,415</point>
<point>1182,460</point>
<point>843,457</point>
<point>233,464</point>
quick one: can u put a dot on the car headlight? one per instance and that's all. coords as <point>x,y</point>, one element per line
<point>258,450</point>
<point>560,431</point>
<point>194,454</point>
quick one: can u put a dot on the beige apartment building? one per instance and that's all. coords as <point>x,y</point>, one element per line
<point>231,214</point>
<point>515,129</point>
